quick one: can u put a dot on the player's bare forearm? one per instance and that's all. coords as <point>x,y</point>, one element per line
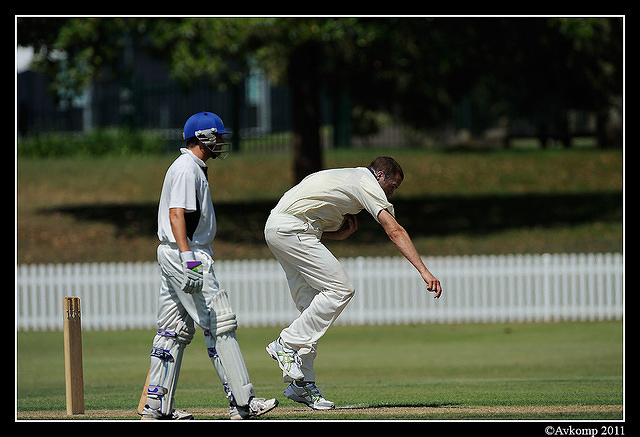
<point>349,226</point>
<point>399,236</point>
<point>179,228</point>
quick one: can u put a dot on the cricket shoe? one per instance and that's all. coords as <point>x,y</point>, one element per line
<point>308,394</point>
<point>256,407</point>
<point>153,414</point>
<point>288,359</point>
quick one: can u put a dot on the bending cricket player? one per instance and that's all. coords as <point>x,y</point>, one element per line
<point>323,205</point>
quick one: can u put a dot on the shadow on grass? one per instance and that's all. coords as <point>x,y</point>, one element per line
<point>421,216</point>
<point>397,405</point>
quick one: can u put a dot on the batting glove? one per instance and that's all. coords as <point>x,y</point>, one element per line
<point>191,275</point>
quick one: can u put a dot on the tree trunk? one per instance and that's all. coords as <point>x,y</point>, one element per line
<point>305,105</point>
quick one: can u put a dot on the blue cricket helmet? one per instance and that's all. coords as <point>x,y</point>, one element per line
<point>202,121</point>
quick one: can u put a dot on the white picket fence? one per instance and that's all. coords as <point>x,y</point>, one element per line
<point>483,289</point>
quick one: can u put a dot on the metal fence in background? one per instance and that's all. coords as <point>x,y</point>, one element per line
<point>481,289</point>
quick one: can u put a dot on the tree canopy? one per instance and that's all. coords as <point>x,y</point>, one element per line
<point>417,69</point>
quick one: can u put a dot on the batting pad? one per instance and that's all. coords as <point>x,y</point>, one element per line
<point>225,353</point>
<point>166,358</point>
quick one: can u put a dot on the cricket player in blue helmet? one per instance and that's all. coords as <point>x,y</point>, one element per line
<point>189,292</point>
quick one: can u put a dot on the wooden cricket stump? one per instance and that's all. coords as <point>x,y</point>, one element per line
<point>74,380</point>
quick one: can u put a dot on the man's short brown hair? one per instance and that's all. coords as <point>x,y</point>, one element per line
<point>388,165</point>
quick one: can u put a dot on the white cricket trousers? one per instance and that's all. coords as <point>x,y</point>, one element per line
<point>174,305</point>
<point>318,283</point>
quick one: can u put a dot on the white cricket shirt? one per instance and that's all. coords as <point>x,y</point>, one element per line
<point>186,186</point>
<point>323,198</point>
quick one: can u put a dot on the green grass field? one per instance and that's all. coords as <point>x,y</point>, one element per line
<point>78,209</point>
<point>513,372</point>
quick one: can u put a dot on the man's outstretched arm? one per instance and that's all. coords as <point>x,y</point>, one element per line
<point>401,239</point>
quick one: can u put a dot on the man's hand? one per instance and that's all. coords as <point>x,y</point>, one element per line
<point>348,227</point>
<point>191,277</point>
<point>433,284</point>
